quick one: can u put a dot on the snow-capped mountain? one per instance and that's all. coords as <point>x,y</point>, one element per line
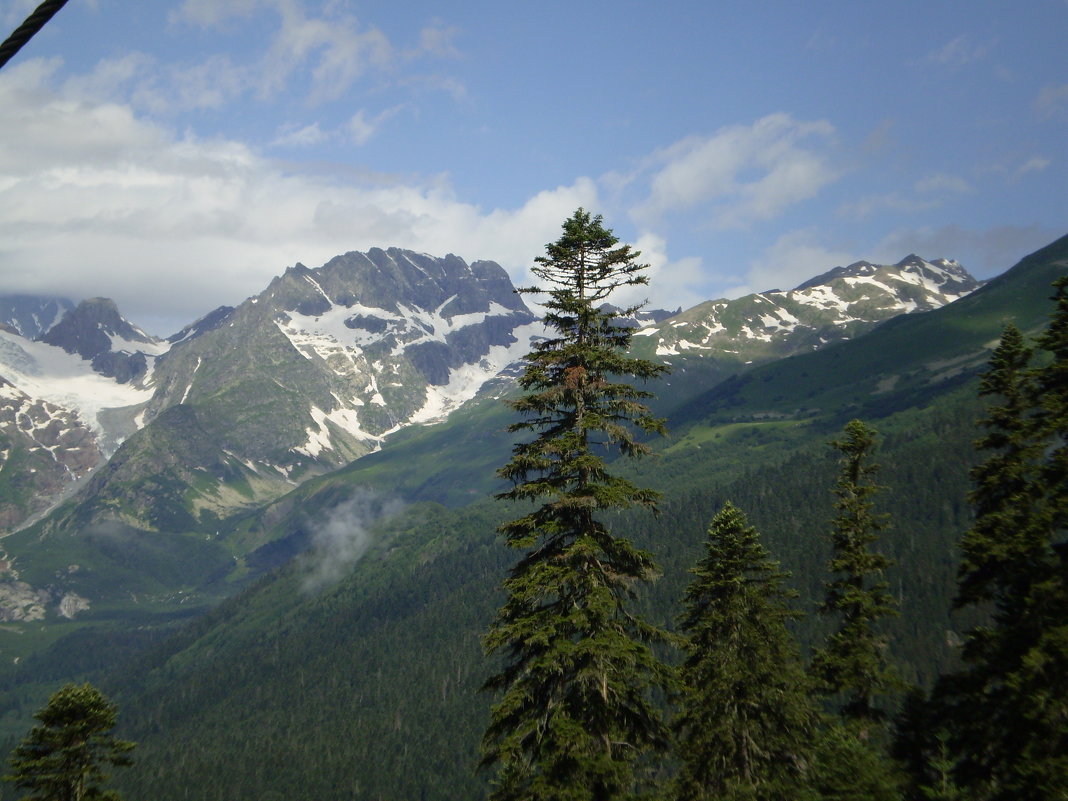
<point>115,347</point>
<point>310,374</point>
<point>68,399</point>
<point>836,305</point>
<point>44,449</point>
<point>319,368</point>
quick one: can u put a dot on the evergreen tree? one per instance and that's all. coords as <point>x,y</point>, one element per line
<point>853,665</point>
<point>996,551</point>
<point>849,767</point>
<point>575,716</point>
<point>63,758</point>
<point>1008,708</point>
<point>747,723</point>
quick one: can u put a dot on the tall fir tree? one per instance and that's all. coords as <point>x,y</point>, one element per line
<point>575,715</point>
<point>853,666</point>
<point>1007,709</point>
<point>997,550</point>
<point>747,722</point>
<point>64,757</point>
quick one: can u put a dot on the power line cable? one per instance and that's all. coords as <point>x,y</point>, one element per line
<point>24,32</point>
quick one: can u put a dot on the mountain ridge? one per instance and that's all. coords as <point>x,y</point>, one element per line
<point>325,364</point>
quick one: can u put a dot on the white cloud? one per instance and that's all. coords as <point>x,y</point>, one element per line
<point>307,136</point>
<point>161,89</point>
<point>1033,164</point>
<point>741,173</point>
<point>337,50</point>
<point>320,47</point>
<point>438,39</point>
<point>341,539</point>
<point>1052,100</point>
<point>95,201</point>
<point>957,52</point>
<point>360,128</point>
<point>673,282</point>
<point>211,83</point>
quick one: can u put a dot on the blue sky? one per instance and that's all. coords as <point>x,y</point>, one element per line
<point>176,155</point>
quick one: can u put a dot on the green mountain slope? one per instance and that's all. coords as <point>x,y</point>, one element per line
<point>905,360</point>
<point>372,683</point>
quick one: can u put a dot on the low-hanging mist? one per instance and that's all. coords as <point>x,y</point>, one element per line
<point>342,536</point>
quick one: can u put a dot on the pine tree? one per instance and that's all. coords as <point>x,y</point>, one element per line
<point>995,561</point>
<point>1007,710</point>
<point>63,758</point>
<point>853,665</point>
<point>747,723</point>
<point>575,716</point>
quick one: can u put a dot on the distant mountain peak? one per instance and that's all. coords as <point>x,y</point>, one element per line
<point>838,304</point>
<point>98,333</point>
<point>208,322</point>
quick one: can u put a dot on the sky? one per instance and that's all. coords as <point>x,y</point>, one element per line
<point>175,155</point>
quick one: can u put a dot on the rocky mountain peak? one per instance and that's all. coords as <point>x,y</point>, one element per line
<point>98,333</point>
<point>312,373</point>
<point>208,322</point>
<point>389,279</point>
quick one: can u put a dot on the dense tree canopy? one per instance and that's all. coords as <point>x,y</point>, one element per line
<point>1006,712</point>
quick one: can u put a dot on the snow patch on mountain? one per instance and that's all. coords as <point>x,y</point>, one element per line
<point>828,307</point>
<point>64,379</point>
<point>319,438</point>
<point>465,381</point>
<point>147,346</point>
<point>340,328</point>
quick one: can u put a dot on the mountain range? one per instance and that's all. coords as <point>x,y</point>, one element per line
<point>113,435</point>
<point>252,460</point>
<point>323,365</point>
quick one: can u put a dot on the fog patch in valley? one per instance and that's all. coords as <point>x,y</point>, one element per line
<point>342,536</point>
